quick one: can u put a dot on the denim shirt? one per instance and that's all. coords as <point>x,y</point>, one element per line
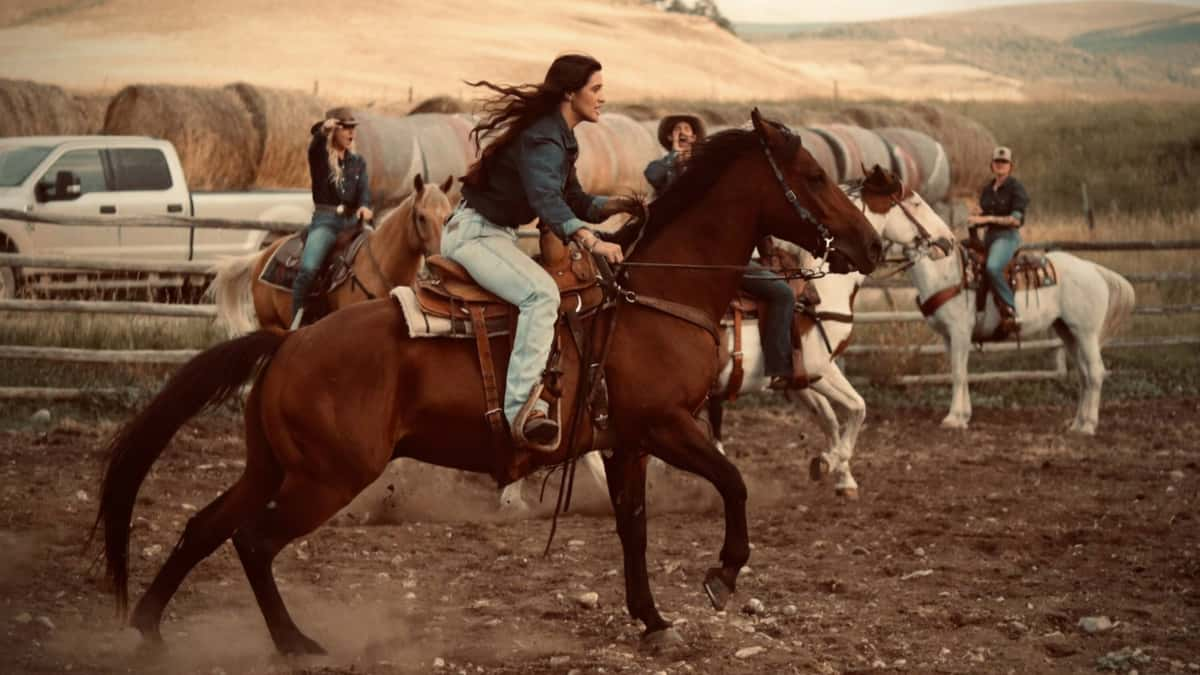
<point>534,177</point>
<point>353,190</point>
<point>1010,200</point>
<point>661,172</point>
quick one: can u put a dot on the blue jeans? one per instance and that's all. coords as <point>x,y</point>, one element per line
<point>490,254</point>
<point>322,233</point>
<point>774,329</point>
<point>1002,243</point>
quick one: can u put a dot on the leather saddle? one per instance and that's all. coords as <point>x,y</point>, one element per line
<point>448,291</point>
<point>1027,271</point>
<point>281,270</point>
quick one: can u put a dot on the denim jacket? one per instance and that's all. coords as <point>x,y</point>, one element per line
<point>661,172</point>
<point>534,177</point>
<point>353,190</point>
<point>1010,200</point>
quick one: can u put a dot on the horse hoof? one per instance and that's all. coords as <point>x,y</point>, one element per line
<point>300,645</point>
<point>716,589</point>
<point>850,493</point>
<point>660,641</point>
<point>818,468</point>
<point>954,423</point>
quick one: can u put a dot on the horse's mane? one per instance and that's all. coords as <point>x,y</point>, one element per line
<point>708,161</point>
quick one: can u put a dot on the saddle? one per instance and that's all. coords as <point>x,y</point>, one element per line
<point>281,270</point>
<point>745,306</point>
<point>1027,271</point>
<point>449,297</point>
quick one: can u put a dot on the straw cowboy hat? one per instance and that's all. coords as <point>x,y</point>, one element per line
<point>668,124</point>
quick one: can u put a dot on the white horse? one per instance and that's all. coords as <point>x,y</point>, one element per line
<point>1084,307</point>
<point>836,313</point>
<point>820,345</point>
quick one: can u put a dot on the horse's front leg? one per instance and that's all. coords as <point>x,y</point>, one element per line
<point>677,440</point>
<point>835,387</point>
<point>958,348</point>
<point>625,473</point>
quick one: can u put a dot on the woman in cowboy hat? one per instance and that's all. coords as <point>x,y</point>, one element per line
<point>678,134</point>
<point>340,193</point>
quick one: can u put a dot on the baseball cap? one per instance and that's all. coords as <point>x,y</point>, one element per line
<point>1002,153</point>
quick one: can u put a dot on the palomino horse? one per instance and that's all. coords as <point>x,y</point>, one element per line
<point>391,257</point>
<point>334,402</point>
<point>1086,305</point>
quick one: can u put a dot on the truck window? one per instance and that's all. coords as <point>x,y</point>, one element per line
<point>139,169</point>
<point>17,162</point>
<point>83,163</point>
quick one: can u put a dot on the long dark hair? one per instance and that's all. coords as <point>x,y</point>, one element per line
<point>515,107</point>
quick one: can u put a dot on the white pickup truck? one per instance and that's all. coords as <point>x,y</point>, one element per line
<point>116,177</point>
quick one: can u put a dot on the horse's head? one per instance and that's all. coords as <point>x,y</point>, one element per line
<point>807,205</point>
<point>903,217</point>
<point>430,208</point>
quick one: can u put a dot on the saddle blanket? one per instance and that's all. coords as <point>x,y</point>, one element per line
<point>422,324</point>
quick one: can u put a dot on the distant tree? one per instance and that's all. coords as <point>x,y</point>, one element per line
<point>705,8</point>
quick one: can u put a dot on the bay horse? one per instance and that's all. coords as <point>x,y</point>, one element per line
<point>836,308</point>
<point>391,257</point>
<point>1086,305</point>
<point>332,403</point>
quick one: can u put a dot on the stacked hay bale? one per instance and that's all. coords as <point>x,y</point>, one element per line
<point>968,146</point>
<point>34,109</point>
<point>213,131</point>
<point>440,104</point>
<point>282,120</point>
<point>926,167</point>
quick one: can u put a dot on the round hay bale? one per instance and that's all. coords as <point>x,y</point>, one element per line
<point>636,147</point>
<point>393,155</point>
<point>637,111</point>
<point>932,165</point>
<point>440,104</point>
<point>597,163</point>
<point>92,107</point>
<point>968,145</point>
<point>34,109</point>
<point>845,152</point>
<point>282,119</point>
<point>818,147</point>
<point>211,129</point>
<point>872,149</point>
<point>444,151</point>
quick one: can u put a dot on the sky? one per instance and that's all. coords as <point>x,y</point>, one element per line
<point>816,11</point>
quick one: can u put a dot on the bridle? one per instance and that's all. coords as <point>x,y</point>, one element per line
<point>806,216</point>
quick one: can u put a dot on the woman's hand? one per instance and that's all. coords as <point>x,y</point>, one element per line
<point>329,125</point>
<point>364,214</point>
<point>609,251</point>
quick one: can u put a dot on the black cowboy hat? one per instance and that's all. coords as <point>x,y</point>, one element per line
<point>668,123</point>
<point>344,115</point>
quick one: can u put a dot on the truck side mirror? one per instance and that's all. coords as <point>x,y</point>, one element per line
<point>66,186</point>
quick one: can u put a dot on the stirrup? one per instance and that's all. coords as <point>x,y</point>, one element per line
<point>523,417</point>
<point>299,317</point>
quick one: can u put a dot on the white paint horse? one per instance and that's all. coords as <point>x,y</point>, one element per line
<point>836,313</point>
<point>1084,307</point>
<point>820,345</point>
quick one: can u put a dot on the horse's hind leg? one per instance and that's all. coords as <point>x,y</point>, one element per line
<point>822,464</point>
<point>205,531</point>
<point>301,507</point>
<point>1091,367</point>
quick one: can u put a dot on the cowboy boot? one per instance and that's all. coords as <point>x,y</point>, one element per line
<point>535,429</point>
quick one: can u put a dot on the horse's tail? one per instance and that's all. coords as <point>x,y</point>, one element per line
<point>232,290</point>
<point>206,380</point>
<point>1121,300</point>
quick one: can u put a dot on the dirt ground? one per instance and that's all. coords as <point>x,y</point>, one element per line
<point>975,551</point>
